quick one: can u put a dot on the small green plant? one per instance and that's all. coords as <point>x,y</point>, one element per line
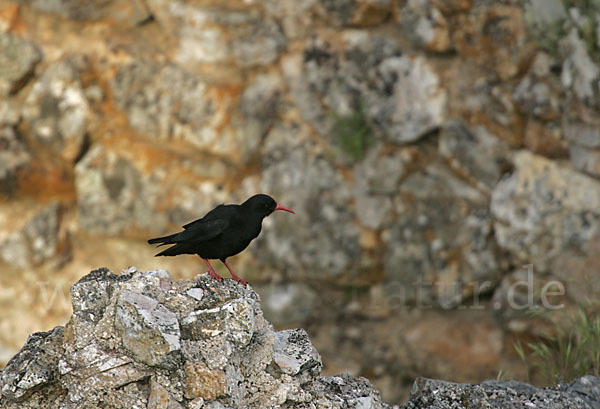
<point>353,133</point>
<point>548,36</point>
<point>572,351</point>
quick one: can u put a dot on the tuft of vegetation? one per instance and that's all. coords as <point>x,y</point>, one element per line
<point>580,14</point>
<point>571,352</point>
<point>353,133</point>
<point>548,38</point>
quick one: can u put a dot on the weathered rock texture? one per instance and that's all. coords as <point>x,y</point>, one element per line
<point>584,393</point>
<point>430,149</point>
<point>144,340</point>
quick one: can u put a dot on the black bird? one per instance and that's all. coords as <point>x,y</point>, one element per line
<point>224,232</point>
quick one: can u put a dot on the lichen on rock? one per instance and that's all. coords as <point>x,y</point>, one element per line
<point>142,340</point>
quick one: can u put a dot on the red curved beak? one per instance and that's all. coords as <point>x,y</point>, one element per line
<point>280,207</point>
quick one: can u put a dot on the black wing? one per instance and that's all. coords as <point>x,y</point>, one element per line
<point>198,230</point>
<point>194,234</point>
<point>201,230</point>
<point>212,215</point>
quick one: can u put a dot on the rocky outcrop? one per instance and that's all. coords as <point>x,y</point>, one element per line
<point>143,340</point>
<point>425,145</point>
<point>584,393</point>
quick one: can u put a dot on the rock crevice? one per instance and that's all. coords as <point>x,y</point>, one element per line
<point>143,340</point>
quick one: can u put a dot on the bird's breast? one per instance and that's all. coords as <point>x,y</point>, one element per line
<point>236,240</point>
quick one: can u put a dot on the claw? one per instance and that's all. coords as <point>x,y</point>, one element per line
<point>239,280</point>
<point>234,276</point>
<point>215,276</point>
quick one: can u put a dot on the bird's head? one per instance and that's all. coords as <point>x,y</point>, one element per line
<point>264,205</point>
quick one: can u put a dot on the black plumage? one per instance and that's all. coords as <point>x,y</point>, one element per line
<point>224,231</point>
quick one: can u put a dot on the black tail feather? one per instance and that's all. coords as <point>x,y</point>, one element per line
<point>168,240</point>
<point>163,240</point>
<point>171,251</point>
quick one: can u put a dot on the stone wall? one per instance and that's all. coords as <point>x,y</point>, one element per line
<point>430,149</point>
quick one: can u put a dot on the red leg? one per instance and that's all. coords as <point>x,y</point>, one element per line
<point>234,276</point>
<point>211,271</point>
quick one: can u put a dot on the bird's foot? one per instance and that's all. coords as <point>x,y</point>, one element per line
<point>215,275</point>
<point>237,279</point>
<point>234,276</point>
